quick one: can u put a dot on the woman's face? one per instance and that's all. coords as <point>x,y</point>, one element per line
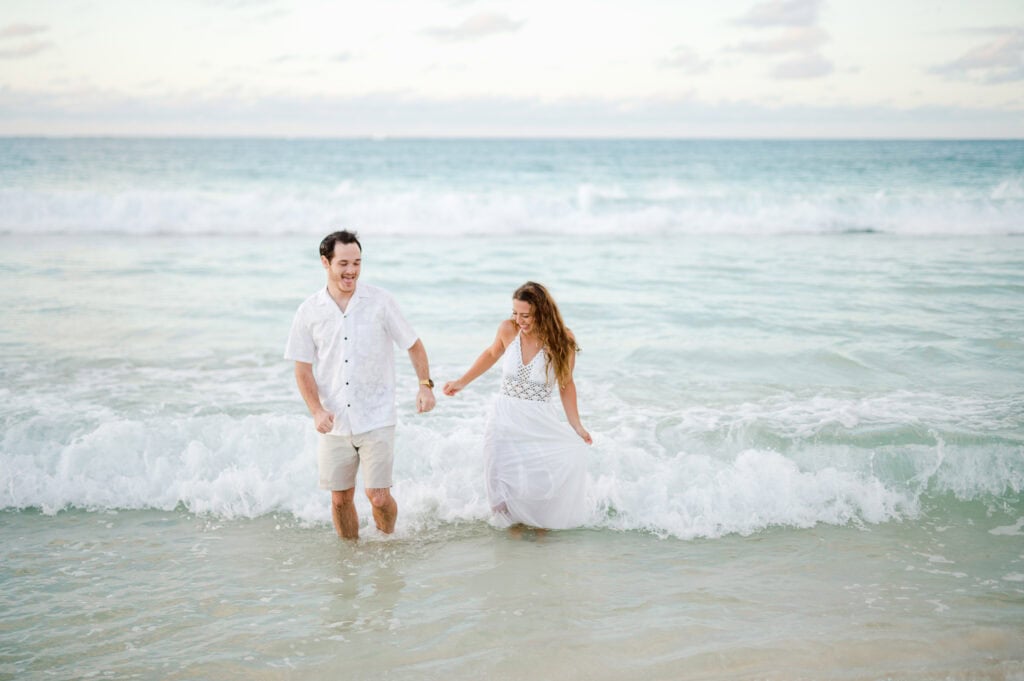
<point>522,315</point>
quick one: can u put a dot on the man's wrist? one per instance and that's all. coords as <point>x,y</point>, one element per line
<point>427,383</point>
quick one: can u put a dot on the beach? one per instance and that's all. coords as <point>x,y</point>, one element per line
<point>802,364</point>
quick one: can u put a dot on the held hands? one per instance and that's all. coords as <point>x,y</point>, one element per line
<point>424,400</point>
<point>324,421</point>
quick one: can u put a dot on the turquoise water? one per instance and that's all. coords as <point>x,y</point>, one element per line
<point>488,187</point>
<point>803,367</point>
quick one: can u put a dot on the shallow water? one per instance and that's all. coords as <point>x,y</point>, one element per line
<point>731,384</point>
<point>803,367</point>
<point>152,594</point>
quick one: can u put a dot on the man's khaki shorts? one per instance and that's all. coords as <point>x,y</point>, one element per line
<point>340,456</point>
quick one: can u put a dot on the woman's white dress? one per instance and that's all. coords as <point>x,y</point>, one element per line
<point>535,462</point>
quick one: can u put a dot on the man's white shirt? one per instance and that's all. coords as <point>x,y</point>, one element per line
<point>351,353</point>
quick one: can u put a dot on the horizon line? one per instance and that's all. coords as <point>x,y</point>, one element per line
<point>498,138</point>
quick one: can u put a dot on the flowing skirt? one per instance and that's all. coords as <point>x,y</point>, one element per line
<point>535,465</point>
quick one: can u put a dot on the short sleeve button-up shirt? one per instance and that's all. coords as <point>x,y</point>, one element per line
<point>352,355</point>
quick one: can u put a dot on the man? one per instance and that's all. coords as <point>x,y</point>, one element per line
<point>340,342</point>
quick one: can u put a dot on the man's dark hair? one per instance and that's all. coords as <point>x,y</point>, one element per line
<point>344,236</point>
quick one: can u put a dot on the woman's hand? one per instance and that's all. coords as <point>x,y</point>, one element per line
<point>452,387</point>
<point>581,431</point>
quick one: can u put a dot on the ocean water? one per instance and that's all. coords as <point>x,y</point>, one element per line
<point>803,367</point>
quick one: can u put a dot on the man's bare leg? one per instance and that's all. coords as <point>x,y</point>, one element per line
<point>343,510</point>
<point>385,509</point>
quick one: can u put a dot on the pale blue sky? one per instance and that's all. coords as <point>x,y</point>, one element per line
<point>636,68</point>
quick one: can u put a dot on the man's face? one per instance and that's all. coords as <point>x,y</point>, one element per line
<point>343,268</point>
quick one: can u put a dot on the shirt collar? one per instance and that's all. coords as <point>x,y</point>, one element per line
<point>324,297</point>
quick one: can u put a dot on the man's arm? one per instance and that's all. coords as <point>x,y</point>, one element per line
<point>323,419</point>
<point>425,397</point>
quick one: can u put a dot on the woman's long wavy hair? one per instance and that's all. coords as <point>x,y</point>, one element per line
<point>550,330</point>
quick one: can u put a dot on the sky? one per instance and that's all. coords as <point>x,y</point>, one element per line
<point>523,68</point>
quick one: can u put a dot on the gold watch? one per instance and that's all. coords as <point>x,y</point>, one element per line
<point>428,382</point>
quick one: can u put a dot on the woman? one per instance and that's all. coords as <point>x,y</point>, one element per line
<point>536,467</point>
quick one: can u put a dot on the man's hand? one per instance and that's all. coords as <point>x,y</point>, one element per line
<point>324,421</point>
<point>424,400</point>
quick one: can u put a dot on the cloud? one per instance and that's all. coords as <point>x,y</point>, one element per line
<point>799,41</point>
<point>212,112</point>
<point>25,50</point>
<point>476,26</point>
<point>270,15</point>
<point>998,61</point>
<point>252,11</point>
<point>981,30</point>
<point>811,65</point>
<point>802,39</point>
<point>240,4</point>
<point>295,60</point>
<point>686,60</point>
<point>21,30</point>
<point>782,13</point>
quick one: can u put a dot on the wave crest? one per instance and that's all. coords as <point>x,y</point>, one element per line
<point>257,465</point>
<point>588,210</point>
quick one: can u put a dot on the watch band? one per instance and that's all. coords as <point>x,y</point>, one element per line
<point>429,382</point>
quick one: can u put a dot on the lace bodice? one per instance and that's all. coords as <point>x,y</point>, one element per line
<point>525,381</point>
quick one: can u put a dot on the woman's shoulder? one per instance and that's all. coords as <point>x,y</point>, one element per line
<point>507,329</point>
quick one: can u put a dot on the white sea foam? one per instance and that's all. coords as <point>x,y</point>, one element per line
<point>256,465</point>
<point>729,388</point>
<point>1015,530</point>
<point>1010,188</point>
<point>701,496</point>
<point>900,419</point>
<point>411,211</point>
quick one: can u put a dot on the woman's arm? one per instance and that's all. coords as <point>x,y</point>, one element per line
<point>568,395</point>
<point>487,358</point>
